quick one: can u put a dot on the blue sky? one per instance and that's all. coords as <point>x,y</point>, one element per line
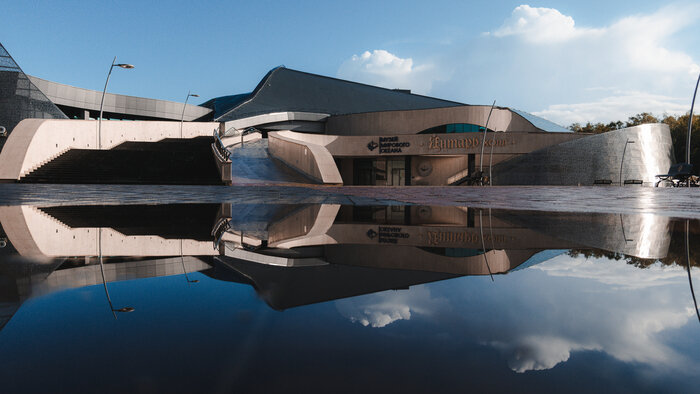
<point>565,60</point>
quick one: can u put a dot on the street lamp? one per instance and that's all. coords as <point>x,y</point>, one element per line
<point>182,118</point>
<point>690,126</point>
<point>622,161</point>
<point>102,101</point>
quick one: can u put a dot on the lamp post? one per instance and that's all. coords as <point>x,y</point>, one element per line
<point>690,126</point>
<point>102,101</point>
<point>622,161</point>
<point>483,142</point>
<point>182,118</point>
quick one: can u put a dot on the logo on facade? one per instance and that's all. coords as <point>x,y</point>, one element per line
<point>372,146</point>
<point>387,235</point>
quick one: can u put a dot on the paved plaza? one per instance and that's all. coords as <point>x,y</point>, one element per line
<point>675,202</point>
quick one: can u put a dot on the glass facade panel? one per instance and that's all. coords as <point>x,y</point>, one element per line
<point>454,128</point>
<point>19,98</point>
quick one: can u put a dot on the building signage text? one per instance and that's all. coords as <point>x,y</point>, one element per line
<point>388,145</point>
<point>453,237</point>
<point>440,143</point>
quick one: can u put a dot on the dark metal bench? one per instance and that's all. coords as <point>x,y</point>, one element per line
<point>680,174</point>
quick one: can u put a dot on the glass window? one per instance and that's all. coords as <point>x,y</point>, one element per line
<point>454,128</point>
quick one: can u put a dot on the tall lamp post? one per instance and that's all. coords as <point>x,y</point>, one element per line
<point>182,118</point>
<point>102,101</point>
<point>622,161</point>
<point>690,126</point>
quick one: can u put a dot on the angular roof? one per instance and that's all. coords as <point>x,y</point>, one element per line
<point>541,123</point>
<point>284,89</point>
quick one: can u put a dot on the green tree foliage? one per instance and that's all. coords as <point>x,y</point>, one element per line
<point>677,124</point>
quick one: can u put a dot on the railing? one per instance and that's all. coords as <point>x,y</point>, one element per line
<point>219,230</point>
<point>234,132</point>
<point>219,148</point>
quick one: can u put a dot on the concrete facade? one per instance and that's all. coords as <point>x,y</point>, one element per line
<point>413,122</point>
<point>35,142</point>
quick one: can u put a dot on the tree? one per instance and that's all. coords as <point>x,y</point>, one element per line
<point>677,124</point>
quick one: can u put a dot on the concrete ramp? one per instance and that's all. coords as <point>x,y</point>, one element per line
<point>252,164</point>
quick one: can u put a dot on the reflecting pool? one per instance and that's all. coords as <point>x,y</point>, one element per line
<point>318,297</point>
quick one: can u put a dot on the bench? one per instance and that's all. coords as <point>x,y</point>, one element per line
<point>680,174</point>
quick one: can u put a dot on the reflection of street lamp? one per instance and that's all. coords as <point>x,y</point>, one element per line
<point>687,255</point>
<point>102,101</point>
<point>104,282</point>
<point>622,161</point>
<point>185,271</point>
<point>182,118</point>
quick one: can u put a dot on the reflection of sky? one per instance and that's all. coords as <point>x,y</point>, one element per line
<point>540,316</point>
<point>564,324</point>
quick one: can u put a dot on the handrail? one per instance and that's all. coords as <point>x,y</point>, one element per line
<point>237,132</point>
<point>220,147</point>
<point>219,230</point>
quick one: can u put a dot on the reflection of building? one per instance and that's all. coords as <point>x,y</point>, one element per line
<point>457,232</point>
<point>299,254</point>
<point>330,130</point>
<point>322,252</point>
<point>137,230</point>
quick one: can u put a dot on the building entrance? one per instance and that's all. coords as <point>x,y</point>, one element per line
<point>381,171</point>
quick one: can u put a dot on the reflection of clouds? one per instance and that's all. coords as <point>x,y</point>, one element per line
<point>614,273</point>
<point>541,316</point>
<point>602,305</point>
<point>535,353</point>
<point>381,309</point>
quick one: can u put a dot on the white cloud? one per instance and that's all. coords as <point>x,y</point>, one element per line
<point>385,69</point>
<point>540,25</point>
<point>632,56</point>
<point>618,106</point>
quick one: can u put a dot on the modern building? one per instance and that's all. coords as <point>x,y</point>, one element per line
<point>330,130</point>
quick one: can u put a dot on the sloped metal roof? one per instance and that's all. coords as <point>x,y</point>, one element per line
<point>284,89</point>
<point>541,123</point>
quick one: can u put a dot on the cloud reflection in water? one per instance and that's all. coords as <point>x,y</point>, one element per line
<point>540,316</point>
